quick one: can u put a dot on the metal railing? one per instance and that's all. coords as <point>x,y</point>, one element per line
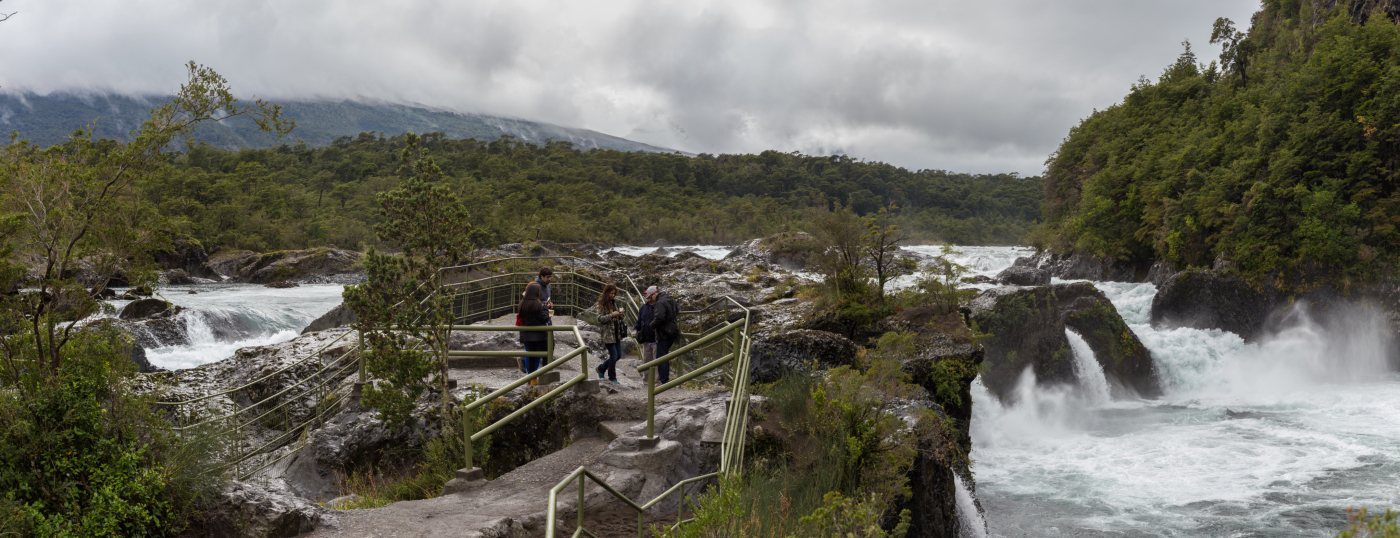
<point>731,336</point>
<point>274,412</point>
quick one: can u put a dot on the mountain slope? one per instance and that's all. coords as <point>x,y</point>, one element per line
<point>49,119</point>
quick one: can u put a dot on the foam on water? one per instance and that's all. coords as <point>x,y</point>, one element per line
<point>973,526</point>
<point>1272,438</point>
<point>1088,369</point>
<point>713,252</point>
<point>221,318</point>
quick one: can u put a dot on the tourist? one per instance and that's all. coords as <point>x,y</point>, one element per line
<point>533,314</point>
<point>643,333</point>
<point>546,275</point>
<point>667,331</point>
<point>614,330</point>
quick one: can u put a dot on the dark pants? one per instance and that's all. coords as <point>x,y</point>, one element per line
<point>533,363</point>
<point>609,366</point>
<point>663,370</point>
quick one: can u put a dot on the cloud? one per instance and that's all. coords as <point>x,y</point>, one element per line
<point>964,86</point>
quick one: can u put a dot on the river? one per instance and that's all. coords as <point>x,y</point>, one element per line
<point>1270,439</point>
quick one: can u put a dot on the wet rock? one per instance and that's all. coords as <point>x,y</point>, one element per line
<point>297,264</point>
<point>1161,271</point>
<point>1024,276</point>
<point>227,263</point>
<point>1082,266</point>
<point>774,355</point>
<point>187,256</point>
<point>248,510</point>
<point>138,356</point>
<point>1209,300</point>
<point>340,316</point>
<point>1126,362</point>
<point>663,251</point>
<point>791,251</point>
<point>282,284</point>
<point>148,308</point>
<point>1026,330</point>
<point>177,277</point>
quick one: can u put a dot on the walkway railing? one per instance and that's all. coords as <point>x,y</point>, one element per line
<point>730,342</point>
<point>277,412</point>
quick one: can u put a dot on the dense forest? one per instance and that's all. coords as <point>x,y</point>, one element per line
<point>298,196</point>
<point>1280,157</point>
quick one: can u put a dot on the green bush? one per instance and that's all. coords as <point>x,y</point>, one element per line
<point>1363,525</point>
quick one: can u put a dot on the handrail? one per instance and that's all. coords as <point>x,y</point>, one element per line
<point>578,474</point>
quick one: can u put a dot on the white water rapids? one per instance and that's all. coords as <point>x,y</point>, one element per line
<point>255,315</point>
<point>1275,438</point>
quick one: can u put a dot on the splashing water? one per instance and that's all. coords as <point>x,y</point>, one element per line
<point>1088,370</point>
<point>1270,438</point>
<point>972,524</point>
<point>221,318</point>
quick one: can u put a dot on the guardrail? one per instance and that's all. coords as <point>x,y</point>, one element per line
<point>244,461</point>
<point>733,337</point>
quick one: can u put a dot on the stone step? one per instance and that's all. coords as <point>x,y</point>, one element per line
<point>612,429</point>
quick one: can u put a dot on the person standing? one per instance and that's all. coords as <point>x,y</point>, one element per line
<point>664,312</point>
<point>533,314</point>
<point>545,276</point>
<point>610,323</point>
<point>646,337</point>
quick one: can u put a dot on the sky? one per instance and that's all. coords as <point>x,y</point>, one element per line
<point>965,86</point>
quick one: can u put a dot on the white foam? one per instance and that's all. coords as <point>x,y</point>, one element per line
<point>1088,369</point>
<point>973,526</point>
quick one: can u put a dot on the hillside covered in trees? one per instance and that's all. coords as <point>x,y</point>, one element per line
<point>1281,156</point>
<point>297,196</point>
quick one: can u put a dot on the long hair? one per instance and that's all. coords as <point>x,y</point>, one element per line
<point>606,303</point>
<point>531,305</point>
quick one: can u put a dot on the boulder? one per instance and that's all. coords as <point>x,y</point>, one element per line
<point>138,356</point>
<point>248,510</point>
<point>186,255</point>
<point>1209,300</point>
<point>148,308</point>
<point>773,355</point>
<point>1083,266</point>
<point>1026,330</point>
<point>1126,362</point>
<point>340,316</point>
<point>298,264</point>
<point>1161,271</point>
<point>178,277</point>
<point>1024,276</point>
<point>789,250</point>
<point>227,263</point>
<point>282,284</point>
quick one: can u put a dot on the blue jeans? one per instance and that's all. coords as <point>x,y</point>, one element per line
<point>609,366</point>
<point>533,363</point>
<point>663,370</point>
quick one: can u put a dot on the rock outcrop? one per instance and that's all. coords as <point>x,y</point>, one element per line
<point>1209,300</point>
<point>340,316</point>
<point>1020,275</point>
<point>791,251</point>
<point>188,256</point>
<point>148,308</point>
<point>249,510</point>
<point>1081,266</point>
<point>1126,362</point>
<point>1027,329</point>
<point>774,355</point>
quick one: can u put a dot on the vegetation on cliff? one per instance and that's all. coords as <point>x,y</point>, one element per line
<point>1280,156</point>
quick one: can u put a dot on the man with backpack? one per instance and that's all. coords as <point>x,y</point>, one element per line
<point>663,323</point>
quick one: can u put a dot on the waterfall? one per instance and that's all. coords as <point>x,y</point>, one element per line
<point>970,519</point>
<point>1088,369</point>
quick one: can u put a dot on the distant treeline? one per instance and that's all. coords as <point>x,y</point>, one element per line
<point>297,196</point>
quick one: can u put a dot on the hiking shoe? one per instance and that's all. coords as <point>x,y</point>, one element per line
<point>615,381</point>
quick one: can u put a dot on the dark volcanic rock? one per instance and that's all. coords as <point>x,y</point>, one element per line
<point>187,256</point>
<point>138,356</point>
<point>1125,361</point>
<point>340,316</point>
<point>776,354</point>
<point>1026,329</point>
<point>786,250</point>
<point>296,264</point>
<point>1161,271</point>
<point>1024,276</point>
<point>1081,266</point>
<point>1208,300</point>
<point>148,308</point>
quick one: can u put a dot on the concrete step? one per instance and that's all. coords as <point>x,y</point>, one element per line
<point>615,428</point>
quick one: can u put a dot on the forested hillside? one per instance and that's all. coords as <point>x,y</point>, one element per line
<point>298,196</point>
<point>1282,154</point>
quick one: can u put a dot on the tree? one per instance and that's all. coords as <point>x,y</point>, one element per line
<point>80,455</point>
<point>881,241</point>
<point>399,313</point>
<point>838,233</point>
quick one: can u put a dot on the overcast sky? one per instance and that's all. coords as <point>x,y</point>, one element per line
<point>974,86</point>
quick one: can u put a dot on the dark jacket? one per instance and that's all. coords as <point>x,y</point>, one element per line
<point>645,335</point>
<point>528,321</point>
<point>664,320</point>
<point>544,291</point>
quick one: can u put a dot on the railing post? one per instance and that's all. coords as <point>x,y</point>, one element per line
<point>361,358</point>
<point>651,402</point>
<point>580,501</point>
<point>467,433</point>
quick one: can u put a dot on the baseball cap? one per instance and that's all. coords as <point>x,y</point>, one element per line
<point>650,291</point>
